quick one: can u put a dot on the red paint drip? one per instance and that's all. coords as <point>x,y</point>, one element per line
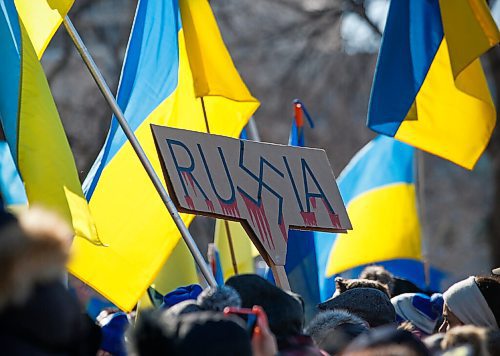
<point>334,218</point>
<point>309,219</point>
<point>259,219</point>
<point>284,230</point>
<point>189,178</point>
<point>210,205</point>
<point>313,202</point>
<point>189,202</point>
<point>230,209</point>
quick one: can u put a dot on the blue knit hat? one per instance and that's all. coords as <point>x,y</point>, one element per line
<point>181,294</point>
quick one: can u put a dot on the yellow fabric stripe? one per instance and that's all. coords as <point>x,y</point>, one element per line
<point>385,226</point>
<point>454,124</point>
<point>469,30</point>
<point>244,249</point>
<point>211,65</point>
<point>180,270</point>
<point>41,19</point>
<point>45,160</point>
<point>129,214</point>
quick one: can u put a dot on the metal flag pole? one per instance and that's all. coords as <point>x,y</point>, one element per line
<point>110,99</point>
<point>253,132</point>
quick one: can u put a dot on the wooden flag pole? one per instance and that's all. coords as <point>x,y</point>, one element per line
<point>108,96</point>
<point>421,210</point>
<point>226,224</point>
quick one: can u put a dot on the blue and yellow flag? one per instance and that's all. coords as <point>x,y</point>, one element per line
<point>175,55</point>
<point>244,249</point>
<point>378,188</point>
<point>29,115</point>
<point>301,265</point>
<point>11,186</point>
<point>429,88</point>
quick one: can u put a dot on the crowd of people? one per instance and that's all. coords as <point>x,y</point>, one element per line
<point>377,314</point>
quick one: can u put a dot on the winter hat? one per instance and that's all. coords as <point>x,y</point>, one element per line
<point>217,298</point>
<point>180,294</point>
<point>184,307</point>
<point>420,309</point>
<point>333,330</point>
<point>113,333</point>
<point>370,304</point>
<point>284,310</point>
<point>208,333</point>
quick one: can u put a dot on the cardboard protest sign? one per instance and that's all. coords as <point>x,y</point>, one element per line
<point>267,187</point>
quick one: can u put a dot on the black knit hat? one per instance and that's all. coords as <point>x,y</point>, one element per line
<point>368,303</point>
<point>284,310</point>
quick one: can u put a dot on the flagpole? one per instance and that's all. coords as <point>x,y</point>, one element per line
<point>108,96</point>
<point>226,224</point>
<point>421,211</point>
<point>253,132</point>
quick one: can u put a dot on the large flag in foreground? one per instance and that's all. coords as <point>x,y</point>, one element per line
<point>29,115</point>
<point>175,54</point>
<point>429,88</point>
<point>378,187</point>
<point>11,186</point>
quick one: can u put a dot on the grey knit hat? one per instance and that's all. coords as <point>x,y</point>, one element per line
<point>368,303</point>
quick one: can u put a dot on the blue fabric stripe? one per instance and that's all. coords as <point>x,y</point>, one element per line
<point>412,36</point>
<point>149,75</point>
<point>10,71</point>
<point>378,164</point>
<point>411,270</point>
<point>324,242</point>
<point>11,186</point>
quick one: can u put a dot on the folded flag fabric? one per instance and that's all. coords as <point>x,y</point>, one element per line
<point>175,55</point>
<point>29,115</point>
<point>11,186</point>
<point>429,88</point>
<point>378,188</point>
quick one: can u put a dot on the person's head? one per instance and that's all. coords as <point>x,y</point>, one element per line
<point>473,301</point>
<point>421,310</point>
<point>378,273</point>
<point>342,285</point>
<point>467,335</point>
<point>284,310</point>
<point>387,340</point>
<point>368,303</point>
<point>33,249</point>
<point>333,330</point>
<point>201,333</point>
<point>217,298</point>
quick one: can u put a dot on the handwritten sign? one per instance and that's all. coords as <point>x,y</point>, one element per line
<point>268,188</point>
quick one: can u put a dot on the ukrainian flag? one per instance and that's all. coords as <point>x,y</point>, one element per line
<point>29,115</point>
<point>378,187</point>
<point>429,88</point>
<point>11,186</point>
<point>175,56</point>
